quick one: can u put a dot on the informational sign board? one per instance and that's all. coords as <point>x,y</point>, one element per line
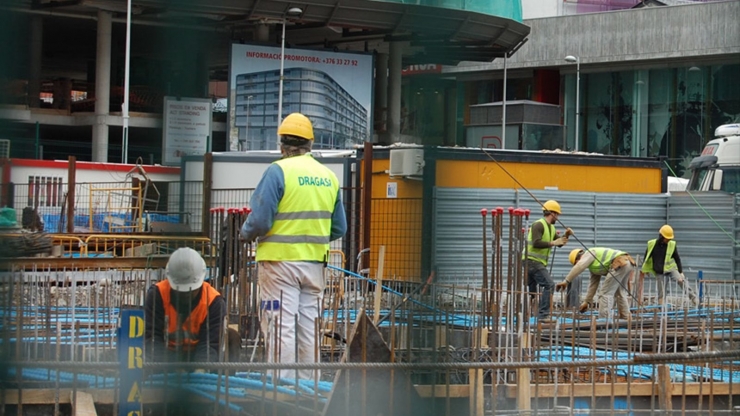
<point>333,89</point>
<point>186,127</point>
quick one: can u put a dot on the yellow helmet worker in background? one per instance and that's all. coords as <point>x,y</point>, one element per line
<point>552,206</point>
<point>667,232</point>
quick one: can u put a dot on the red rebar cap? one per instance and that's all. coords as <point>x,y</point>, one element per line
<point>500,210</point>
<point>221,209</point>
<point>483,212</point>
<point>493,212</point>
<point>518,212</point>
<point>511,210</point>
<point>212,210</point>
<point>526,213</point>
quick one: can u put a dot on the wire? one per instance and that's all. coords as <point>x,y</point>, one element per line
<point>639,304</point>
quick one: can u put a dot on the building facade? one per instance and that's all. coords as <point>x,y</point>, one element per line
<point>339,120</point>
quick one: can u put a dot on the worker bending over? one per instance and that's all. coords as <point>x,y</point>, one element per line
<point>184,315</point>
<point>616,265</point>
<point>662,260</point>
<point>541,238</point>
<point>296,211</point>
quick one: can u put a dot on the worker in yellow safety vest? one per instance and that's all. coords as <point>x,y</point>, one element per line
<point>617,266</point>
<point>541,238</point>
<point>663,261</point>
<point>296,211</point>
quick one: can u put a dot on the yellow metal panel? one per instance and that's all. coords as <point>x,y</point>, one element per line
<point>563,177</point>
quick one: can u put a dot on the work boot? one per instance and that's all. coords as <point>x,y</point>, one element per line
<point>694,301</point>
<point>583,308</point>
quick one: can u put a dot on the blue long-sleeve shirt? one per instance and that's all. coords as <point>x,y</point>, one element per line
<point>264,205</point>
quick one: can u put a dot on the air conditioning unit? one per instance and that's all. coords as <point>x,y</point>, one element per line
<point>407,162</point>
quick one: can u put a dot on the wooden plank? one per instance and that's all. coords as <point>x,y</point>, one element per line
<point>476,387</point>
<point>523,379</point>
<point>665,392</point>
<point>82,403</point>
<point>107,396</point>
<point>620,390</point>
<point>59,263</point>
<point>444,390</point>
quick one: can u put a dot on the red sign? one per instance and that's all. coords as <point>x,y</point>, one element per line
<point>422,69</point>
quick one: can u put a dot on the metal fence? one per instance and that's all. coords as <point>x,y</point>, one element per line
<point>707,228</point>
<point>395,225</point>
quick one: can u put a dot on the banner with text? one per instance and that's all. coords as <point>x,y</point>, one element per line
<point>333,89</point>
<point>186,127</point>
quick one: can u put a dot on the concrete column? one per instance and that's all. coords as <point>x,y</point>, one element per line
<point>262,32</point>
<point>34,75</point>
<point>381,92</point>
<point>102,88</point>
<point>394,92</point>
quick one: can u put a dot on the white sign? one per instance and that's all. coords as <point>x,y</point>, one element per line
<point>186,128</point>
<point>333,89</point>
<point>391,190</point>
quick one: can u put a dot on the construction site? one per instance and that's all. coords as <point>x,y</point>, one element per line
<point>426,309</point>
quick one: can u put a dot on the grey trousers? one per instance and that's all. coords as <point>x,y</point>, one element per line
<point>676,277</point>
<point>614,287</point>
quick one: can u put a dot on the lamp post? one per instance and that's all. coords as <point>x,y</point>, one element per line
<point>503,110</point>
<point>577,60</point>
<point>127,66</point>
<point>292,12</point>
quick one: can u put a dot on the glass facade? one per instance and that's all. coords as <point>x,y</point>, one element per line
<point>339,121</point>
<point>668,112</point>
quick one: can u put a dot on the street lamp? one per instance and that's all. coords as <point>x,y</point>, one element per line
<point>292,12</point>
<point>571,59</point>
<point>249,109</point>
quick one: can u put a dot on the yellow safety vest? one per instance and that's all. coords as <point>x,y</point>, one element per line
<point>603,259</point>
<point>540,254</point>
<point>668,265</point>
<point>301,227</point>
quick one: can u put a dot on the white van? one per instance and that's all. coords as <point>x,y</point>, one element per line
<point>718,166</point>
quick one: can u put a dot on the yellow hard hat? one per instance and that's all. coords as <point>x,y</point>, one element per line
<point>573,254</point>
<point>552,206</point>
<point>296,125</point>
<point>667,232</point>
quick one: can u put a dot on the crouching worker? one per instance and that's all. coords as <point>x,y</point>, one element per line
<point>616,265</point>
<point>184,315</point>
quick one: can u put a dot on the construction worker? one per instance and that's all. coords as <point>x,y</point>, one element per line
<point>296,211</point>
<point>663,261</point>
<point>541,238</point>
<point>616,265</point>
<point>184,315</point>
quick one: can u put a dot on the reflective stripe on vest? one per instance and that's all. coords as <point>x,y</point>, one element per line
<point>540,254</point>
<point>186,336</point>
<point>603,259</point>
<point>668,264</point>
<point>301,228</point>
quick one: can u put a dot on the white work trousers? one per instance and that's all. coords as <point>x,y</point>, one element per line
<point>614,285</point>
<point>289,326</point>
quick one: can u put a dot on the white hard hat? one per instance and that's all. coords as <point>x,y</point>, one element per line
<point>186,270</point>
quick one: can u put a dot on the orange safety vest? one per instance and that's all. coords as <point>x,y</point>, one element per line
<point>191,327</point>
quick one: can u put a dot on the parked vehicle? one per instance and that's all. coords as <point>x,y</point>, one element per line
<point>718,166</point>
